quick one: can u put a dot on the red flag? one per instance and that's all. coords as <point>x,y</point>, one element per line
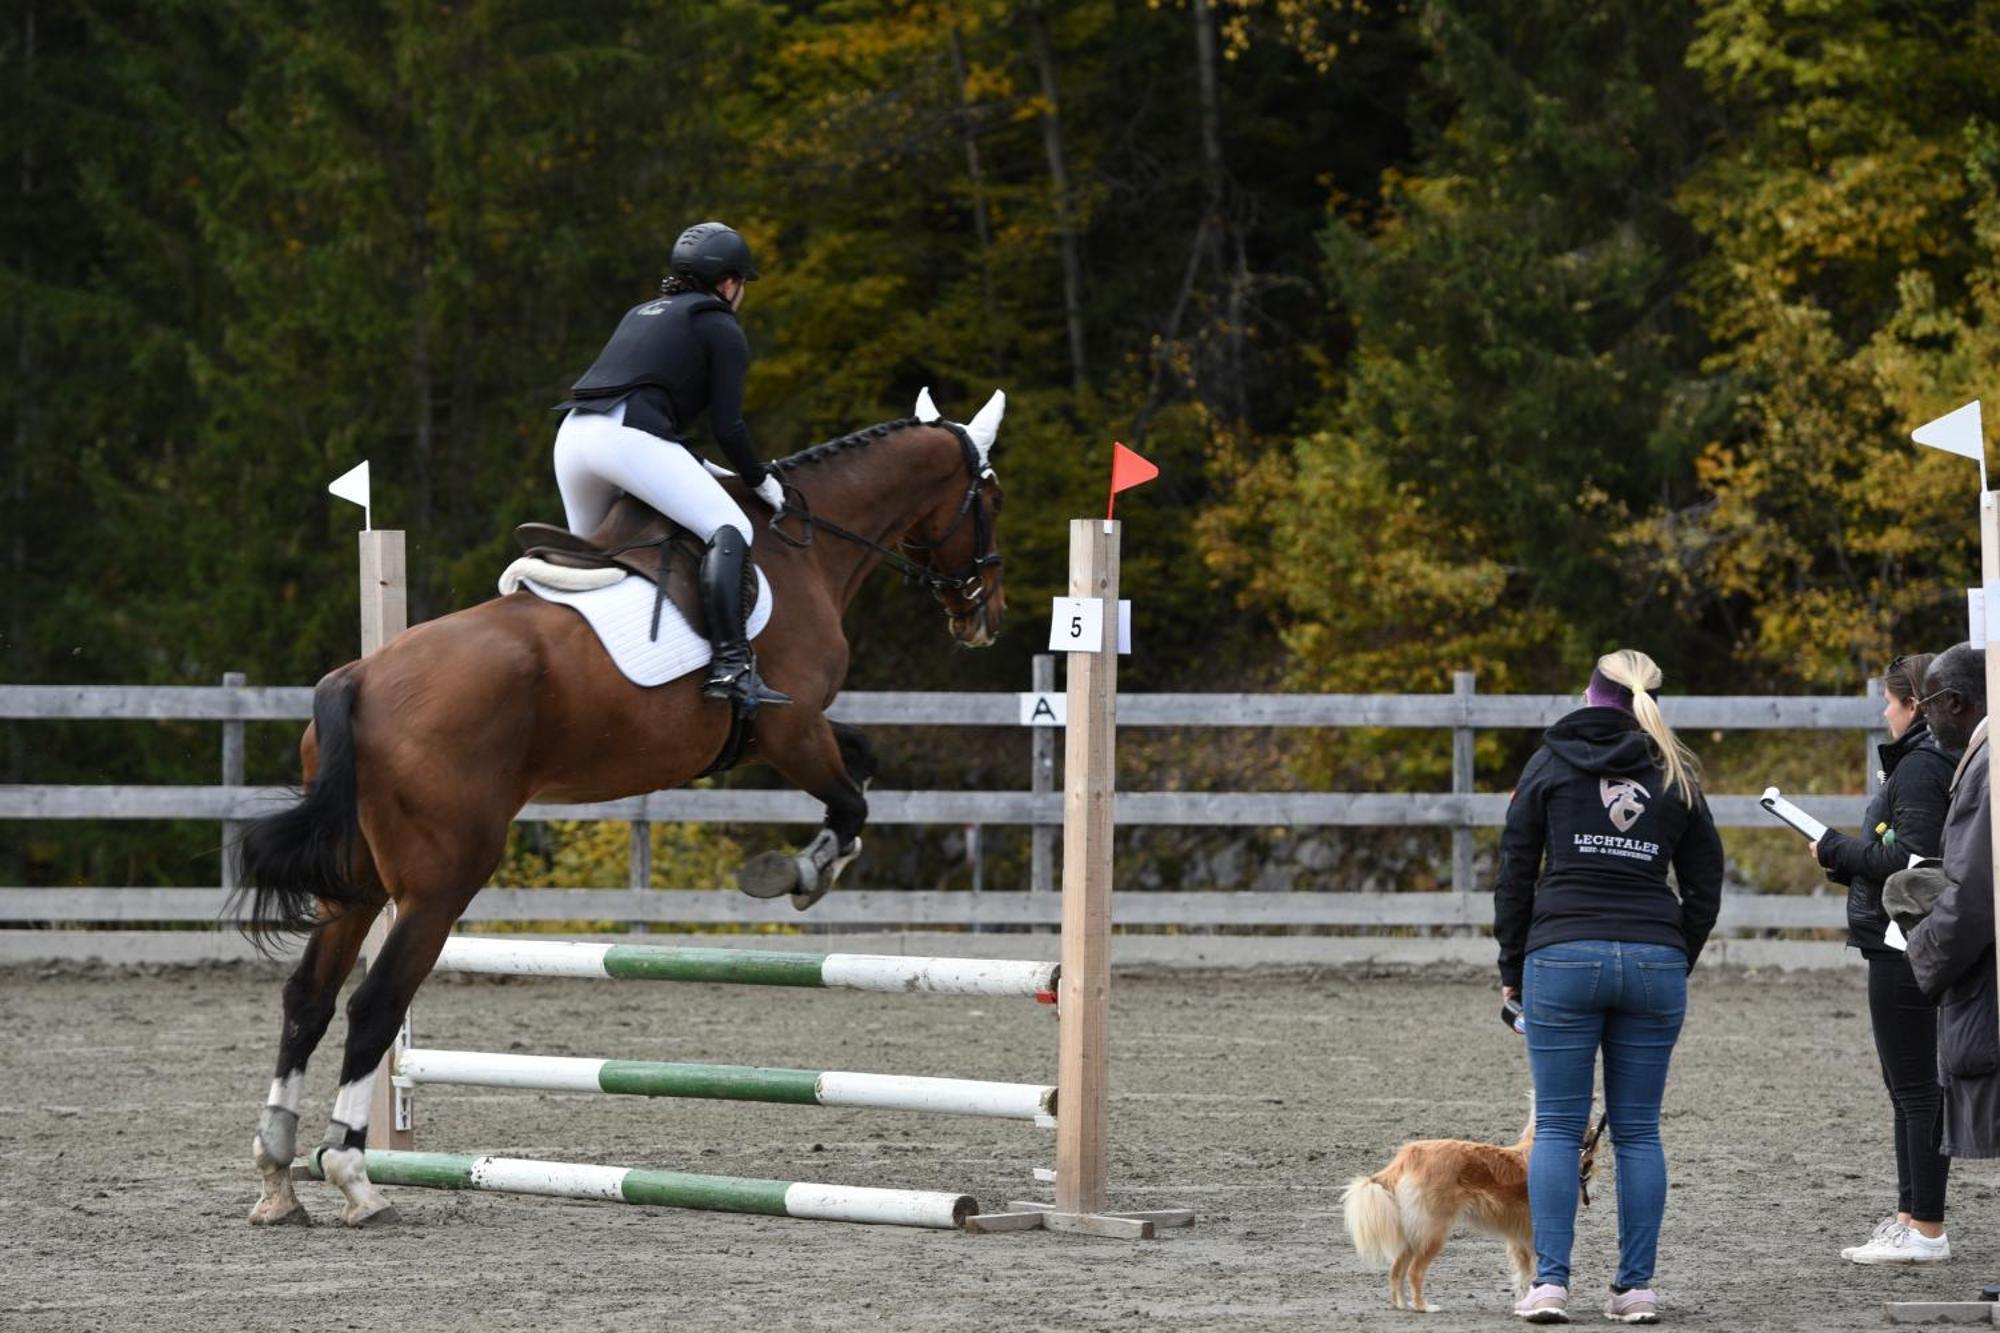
<point>1127,470</point>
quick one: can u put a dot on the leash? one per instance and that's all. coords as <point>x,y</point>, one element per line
<point>1589,1162</point>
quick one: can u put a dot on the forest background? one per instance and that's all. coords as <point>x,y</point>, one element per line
<point>1469,336</point>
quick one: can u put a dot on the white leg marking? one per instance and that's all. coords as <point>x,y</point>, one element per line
<point>285,1091</point>
<point>350,1108</point>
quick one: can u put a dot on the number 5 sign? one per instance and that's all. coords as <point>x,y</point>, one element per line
<point>1077,625</point>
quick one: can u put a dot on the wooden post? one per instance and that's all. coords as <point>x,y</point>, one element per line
<point>1989,568</point>
<point>1462,685</point>
<point>1871,758</point>
<point>385,613</point>
<point>1042,779</point>
<point>232,776</point>
<point>1090,781</point>
<point>639,867</point>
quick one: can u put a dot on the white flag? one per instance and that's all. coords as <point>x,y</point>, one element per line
<point>1956,433</point>
<point>352,485</point>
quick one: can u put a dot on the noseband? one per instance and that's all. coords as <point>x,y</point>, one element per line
<point>969,584</point>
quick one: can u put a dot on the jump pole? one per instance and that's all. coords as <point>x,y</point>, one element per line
<point>665,1189</point>
<point>1090,782</point>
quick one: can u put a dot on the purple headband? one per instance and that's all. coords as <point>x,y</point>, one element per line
<point>1603,692</point>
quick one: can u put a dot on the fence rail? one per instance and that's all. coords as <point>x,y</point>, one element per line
<point>916,909</point>
<point>1462,810</point>
<point>943,708</point>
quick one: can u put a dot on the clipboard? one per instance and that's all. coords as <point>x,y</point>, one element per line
<point>1804,824</point>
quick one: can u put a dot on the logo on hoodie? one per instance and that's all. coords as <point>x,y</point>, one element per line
<point>1621,801</point>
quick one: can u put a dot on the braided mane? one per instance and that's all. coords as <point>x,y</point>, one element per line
<point>819,453</point>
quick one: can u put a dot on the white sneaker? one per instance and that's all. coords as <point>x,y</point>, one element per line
<point>1904,1245</point>
<point>1881,1232</point>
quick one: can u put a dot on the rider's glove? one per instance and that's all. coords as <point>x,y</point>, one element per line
<point>771,493</point>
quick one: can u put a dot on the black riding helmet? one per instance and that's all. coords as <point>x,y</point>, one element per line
<point>708,252</point>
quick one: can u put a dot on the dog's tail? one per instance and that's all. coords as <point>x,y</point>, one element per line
<point>1374,1221</point>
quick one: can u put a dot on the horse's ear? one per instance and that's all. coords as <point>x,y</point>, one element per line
<point>926,409</point>
<point>985,428</point>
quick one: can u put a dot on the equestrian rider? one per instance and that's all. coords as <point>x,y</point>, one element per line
<point>626,431</point>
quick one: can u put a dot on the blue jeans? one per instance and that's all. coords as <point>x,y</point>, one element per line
<point>1629,999</point>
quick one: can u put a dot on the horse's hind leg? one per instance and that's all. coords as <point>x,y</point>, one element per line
<point>373,1016</point>
<point>831,762</point>
<point>310,996</point>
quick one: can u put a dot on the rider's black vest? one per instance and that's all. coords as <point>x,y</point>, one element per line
<point>654,345</point>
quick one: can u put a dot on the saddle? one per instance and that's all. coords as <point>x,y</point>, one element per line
<point>637,539</point>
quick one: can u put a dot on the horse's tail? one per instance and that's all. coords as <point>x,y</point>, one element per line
<point>300,857</point>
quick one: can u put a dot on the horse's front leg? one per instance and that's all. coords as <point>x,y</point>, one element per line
<point>310,996</point>
<point>833,763</point>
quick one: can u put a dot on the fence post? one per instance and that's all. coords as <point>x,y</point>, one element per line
<point>639,866</point>
<point>1463,685</point>
<point>1042,781</point>
<point>232,776</point>
<point>385,613</point>
<point>1871,775</point>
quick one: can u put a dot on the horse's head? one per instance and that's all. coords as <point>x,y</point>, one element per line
<point>956,540</point>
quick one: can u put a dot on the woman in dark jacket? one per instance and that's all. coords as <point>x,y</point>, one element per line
<point>1598,946</point>
<point>1904,820</point>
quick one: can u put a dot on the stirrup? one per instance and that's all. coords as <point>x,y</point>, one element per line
<point>744,688</point>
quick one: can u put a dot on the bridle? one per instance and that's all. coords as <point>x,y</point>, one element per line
<point>969,584</point>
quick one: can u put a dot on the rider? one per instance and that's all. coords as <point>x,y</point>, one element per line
<point>668,361</point>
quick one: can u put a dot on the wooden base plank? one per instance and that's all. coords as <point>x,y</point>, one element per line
<point>1028,1215</point>
<point>1939,1312</point>
<point>983,1224</point>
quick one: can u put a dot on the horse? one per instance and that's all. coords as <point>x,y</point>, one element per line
<point>419,756</point>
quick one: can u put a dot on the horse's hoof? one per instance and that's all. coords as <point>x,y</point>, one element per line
<point>769,875</point>
<point>384,1216</point>
<point>801,901</point>
<point>294,1216</point>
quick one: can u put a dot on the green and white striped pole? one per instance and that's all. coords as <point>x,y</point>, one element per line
<point>747,1083</point>
<point>512,956</point>
<point>667,1189</point>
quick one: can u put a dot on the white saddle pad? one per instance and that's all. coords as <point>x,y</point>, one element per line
<point>622,615</point>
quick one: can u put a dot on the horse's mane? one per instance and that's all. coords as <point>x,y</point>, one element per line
<point>821,452</point>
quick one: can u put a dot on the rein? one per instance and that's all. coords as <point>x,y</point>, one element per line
<point>970,584</point>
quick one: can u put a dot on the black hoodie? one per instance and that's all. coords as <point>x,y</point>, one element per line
<point>1594,802</point>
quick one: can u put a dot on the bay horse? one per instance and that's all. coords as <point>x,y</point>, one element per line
<point>419,756</point>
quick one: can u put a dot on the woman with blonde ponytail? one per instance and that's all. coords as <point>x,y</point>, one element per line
<point>1595,946</point>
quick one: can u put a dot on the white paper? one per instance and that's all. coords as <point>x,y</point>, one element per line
<point>1975,616</point>
<point>1894,938</point>
<point>1811,829</point>
<point>1077,625</point>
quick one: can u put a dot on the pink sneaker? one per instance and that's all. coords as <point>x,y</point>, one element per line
<point>1641,1305</point>
<point>1544,1304</point>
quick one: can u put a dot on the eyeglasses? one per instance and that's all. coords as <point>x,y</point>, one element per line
<point>1925,701</point>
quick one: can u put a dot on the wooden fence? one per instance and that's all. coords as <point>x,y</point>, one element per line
<point>1462,809</point>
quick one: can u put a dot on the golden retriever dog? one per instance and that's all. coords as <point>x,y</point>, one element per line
<point>1399,1217</point>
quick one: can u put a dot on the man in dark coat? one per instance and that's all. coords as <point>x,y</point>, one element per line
<point>1951,950</point>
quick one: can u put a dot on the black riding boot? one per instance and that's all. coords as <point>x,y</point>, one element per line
<point>732,670</point>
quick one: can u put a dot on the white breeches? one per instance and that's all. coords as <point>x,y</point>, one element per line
<point>599,457</point>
